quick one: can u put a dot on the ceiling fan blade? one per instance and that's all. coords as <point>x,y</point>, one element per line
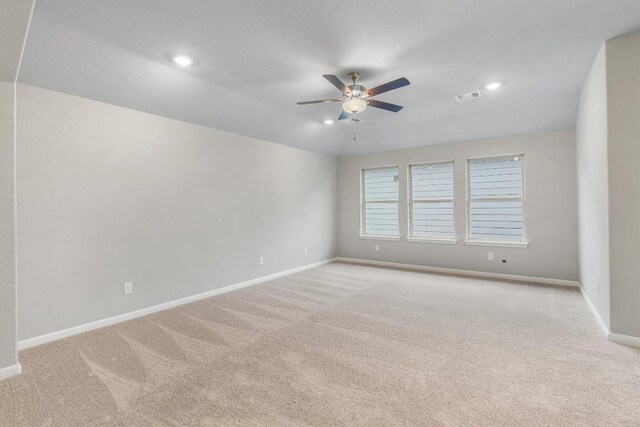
<point>396,84</point>
<point>319,101</point>
<point>384,105</point>
<point>343,116</point>
<point>334,80</point>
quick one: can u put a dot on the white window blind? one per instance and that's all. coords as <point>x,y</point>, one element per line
<point>431,201</point>
<point>496,199</point>
<point>380,202</point>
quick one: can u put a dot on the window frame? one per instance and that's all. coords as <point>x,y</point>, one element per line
<point>363,234</point>
<point>410,201</point>
<point>505,244</point>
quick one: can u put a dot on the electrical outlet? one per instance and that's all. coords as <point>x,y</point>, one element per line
<point>377,247</point>
<point>261,261</point>
<point>306,251</point>
<point>490,256</point>
<point>128,288</point>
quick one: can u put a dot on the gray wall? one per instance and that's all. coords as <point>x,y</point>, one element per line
<point>550,185</point>
<point>108,195</point>
<point>15,16</point>
<point>8,354</point>
<point>608,147</point>
<point>623,101</point>
<point>593,188</point>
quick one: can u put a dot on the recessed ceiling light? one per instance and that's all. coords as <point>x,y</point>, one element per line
<point>183,61</point>
<point>328,122</point>
<point>493,86</point>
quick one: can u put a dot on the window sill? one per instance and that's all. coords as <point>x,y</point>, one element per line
<point>427,240</point>
<point>391,238</point>
<point>497,244</point>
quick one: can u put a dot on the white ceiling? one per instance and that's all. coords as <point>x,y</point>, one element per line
<point>255,59</point>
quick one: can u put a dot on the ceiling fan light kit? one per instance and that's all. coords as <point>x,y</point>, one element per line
<point>354,105</point>
<point>356,98</point>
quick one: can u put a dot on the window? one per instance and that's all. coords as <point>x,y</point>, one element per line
<point>380,202</point>
<point>431,202</point>
<point>496,200</point>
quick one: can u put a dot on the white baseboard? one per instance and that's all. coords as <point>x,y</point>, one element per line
<point>10,371</point>
<point>624,339</point>
<point>53,336</point>
<point>627,340</point>
<point>594,311</point>
<point>471,273</point>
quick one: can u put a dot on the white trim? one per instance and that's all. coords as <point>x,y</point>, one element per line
<point>435,162</point>
<point>496,156</point>
<point>594,311</point>
<point>432,240</point>
<point>368,237</point>
<point>471,273</point>
<point>363,203</point>
<point>380,167</point>
<point>610,336</point>
<point>53,336</point>
<point>10,371</point>
<point>411,237</point>
<point>624,339</point>
<point>469,199</point>
<point>496,244</point>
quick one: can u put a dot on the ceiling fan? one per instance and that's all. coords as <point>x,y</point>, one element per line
<point>356,98</point>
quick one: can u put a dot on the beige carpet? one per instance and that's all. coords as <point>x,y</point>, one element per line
<point>340,345</point>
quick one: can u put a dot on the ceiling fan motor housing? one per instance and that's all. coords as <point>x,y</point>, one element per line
<point>356,90</point>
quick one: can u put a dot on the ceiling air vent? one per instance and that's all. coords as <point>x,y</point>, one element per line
<point>468,96</point>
